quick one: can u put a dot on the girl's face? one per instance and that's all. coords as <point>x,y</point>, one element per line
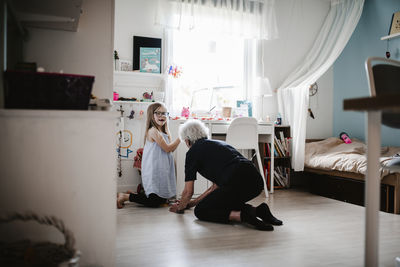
<point>160,116</point>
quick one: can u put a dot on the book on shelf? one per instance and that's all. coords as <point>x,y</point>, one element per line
<point>283,140</point>
<point>279,147</point>
<point>283,145</point>
<point>268,174</point>
<point>278,153</point>
<point>281,176</point>
<point>268,150</point>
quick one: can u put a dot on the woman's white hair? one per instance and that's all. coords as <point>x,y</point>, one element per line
<point>193,130</point>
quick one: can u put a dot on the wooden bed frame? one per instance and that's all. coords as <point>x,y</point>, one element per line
<point>390,190</point>
<point>350,186</point>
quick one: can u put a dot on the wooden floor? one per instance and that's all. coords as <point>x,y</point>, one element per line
<point>317,231</point>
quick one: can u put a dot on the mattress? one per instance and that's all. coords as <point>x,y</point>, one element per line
<point>333,154</point>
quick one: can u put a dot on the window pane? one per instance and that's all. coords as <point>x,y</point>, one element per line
<point>212,71</point>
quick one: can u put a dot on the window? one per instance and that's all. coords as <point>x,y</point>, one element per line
<point>212,71</point>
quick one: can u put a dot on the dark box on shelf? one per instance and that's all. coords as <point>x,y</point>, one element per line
<point>42,90</point>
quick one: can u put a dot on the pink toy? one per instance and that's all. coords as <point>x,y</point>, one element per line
<point>148,96</point>
<point>345,137</point>
<point>116,96</point>
<point>185,112</point>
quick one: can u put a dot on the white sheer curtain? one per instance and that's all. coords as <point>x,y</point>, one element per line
<point>293,93</point>
<point>246,18</point>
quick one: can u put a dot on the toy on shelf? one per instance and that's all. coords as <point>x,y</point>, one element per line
<point>345,137</point>
<point>115,96</point>
<point>174,71</point>
<point>185,112</point>
<point>148,97</point>
<point>127,99</point>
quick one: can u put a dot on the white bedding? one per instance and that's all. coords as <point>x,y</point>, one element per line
<point>334,154</point>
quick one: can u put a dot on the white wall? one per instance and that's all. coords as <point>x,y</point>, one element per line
<point>299,22</point>
<point>134,17</point>
<point>88,51</point>
<point>321,105</point>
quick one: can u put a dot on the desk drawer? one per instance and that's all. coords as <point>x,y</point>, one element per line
<point>219,128</point>
<point>265,129</point>
<point>223,128</point>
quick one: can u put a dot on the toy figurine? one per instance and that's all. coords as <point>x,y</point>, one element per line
<point>141,114</point>
<point>148,96</point>
<point>185,112</point>
<point>132,115</point>
<point>345,137</point>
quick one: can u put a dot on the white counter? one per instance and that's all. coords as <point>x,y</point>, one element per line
<point>62,163</point>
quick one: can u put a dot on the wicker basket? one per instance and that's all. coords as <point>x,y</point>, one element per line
<point>28,253</point>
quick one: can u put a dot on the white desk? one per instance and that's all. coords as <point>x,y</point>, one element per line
<point>218,130</point>
<point>373,107</point>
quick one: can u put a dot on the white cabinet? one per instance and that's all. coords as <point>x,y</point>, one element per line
<point>133,129</point>
<point>62,163</point>
<point>48,14</point>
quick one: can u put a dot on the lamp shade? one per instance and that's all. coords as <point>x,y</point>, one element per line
<point>264,87</point>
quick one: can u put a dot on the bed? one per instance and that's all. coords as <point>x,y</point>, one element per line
<point>337,170</point>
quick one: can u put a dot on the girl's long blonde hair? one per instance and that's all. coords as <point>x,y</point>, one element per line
<point>151,123</point>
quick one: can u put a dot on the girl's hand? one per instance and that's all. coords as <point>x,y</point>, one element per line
<point>175,208</point>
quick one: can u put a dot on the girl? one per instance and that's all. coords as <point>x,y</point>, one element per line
<point>158,170</point>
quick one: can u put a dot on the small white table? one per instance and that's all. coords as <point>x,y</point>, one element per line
<point>218,130</point>
<point>373,106</point>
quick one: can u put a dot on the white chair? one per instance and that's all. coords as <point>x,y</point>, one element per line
<point>243,134</point>
<point>384,79</point>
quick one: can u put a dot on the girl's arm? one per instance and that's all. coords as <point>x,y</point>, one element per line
<point>155,135</point>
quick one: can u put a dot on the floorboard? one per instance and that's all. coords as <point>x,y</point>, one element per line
<point>317,231</point>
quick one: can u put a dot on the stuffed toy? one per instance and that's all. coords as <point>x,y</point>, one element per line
<point>345,137</point>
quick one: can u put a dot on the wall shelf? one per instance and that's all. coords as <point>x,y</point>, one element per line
<point>138,73</point>
<point>134,83</point>
<point>132,102</point>
<point>388,37</point>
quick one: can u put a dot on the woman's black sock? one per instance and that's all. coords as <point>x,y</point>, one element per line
<point>263,212</point>
<point>247,215</point>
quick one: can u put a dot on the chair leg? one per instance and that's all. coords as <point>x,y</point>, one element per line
<point>261,168</point>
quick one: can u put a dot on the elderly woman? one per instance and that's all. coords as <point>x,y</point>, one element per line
<point>235,181</point>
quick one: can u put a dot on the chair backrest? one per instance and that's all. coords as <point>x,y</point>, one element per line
<point>384,78</point>
<point>243,133</point>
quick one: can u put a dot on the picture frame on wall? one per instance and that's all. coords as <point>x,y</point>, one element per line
<point>395,24</point>
<point>147,54</point>
<point>150,59</point>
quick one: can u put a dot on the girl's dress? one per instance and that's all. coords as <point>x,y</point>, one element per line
<point>158,170</point>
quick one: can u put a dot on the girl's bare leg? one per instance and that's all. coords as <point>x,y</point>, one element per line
<point>121,198</point>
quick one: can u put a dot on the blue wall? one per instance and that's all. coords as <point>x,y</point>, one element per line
<point>349,77</point>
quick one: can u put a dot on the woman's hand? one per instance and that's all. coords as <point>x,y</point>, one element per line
<point>175,208</point>
<point>191,204</point>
